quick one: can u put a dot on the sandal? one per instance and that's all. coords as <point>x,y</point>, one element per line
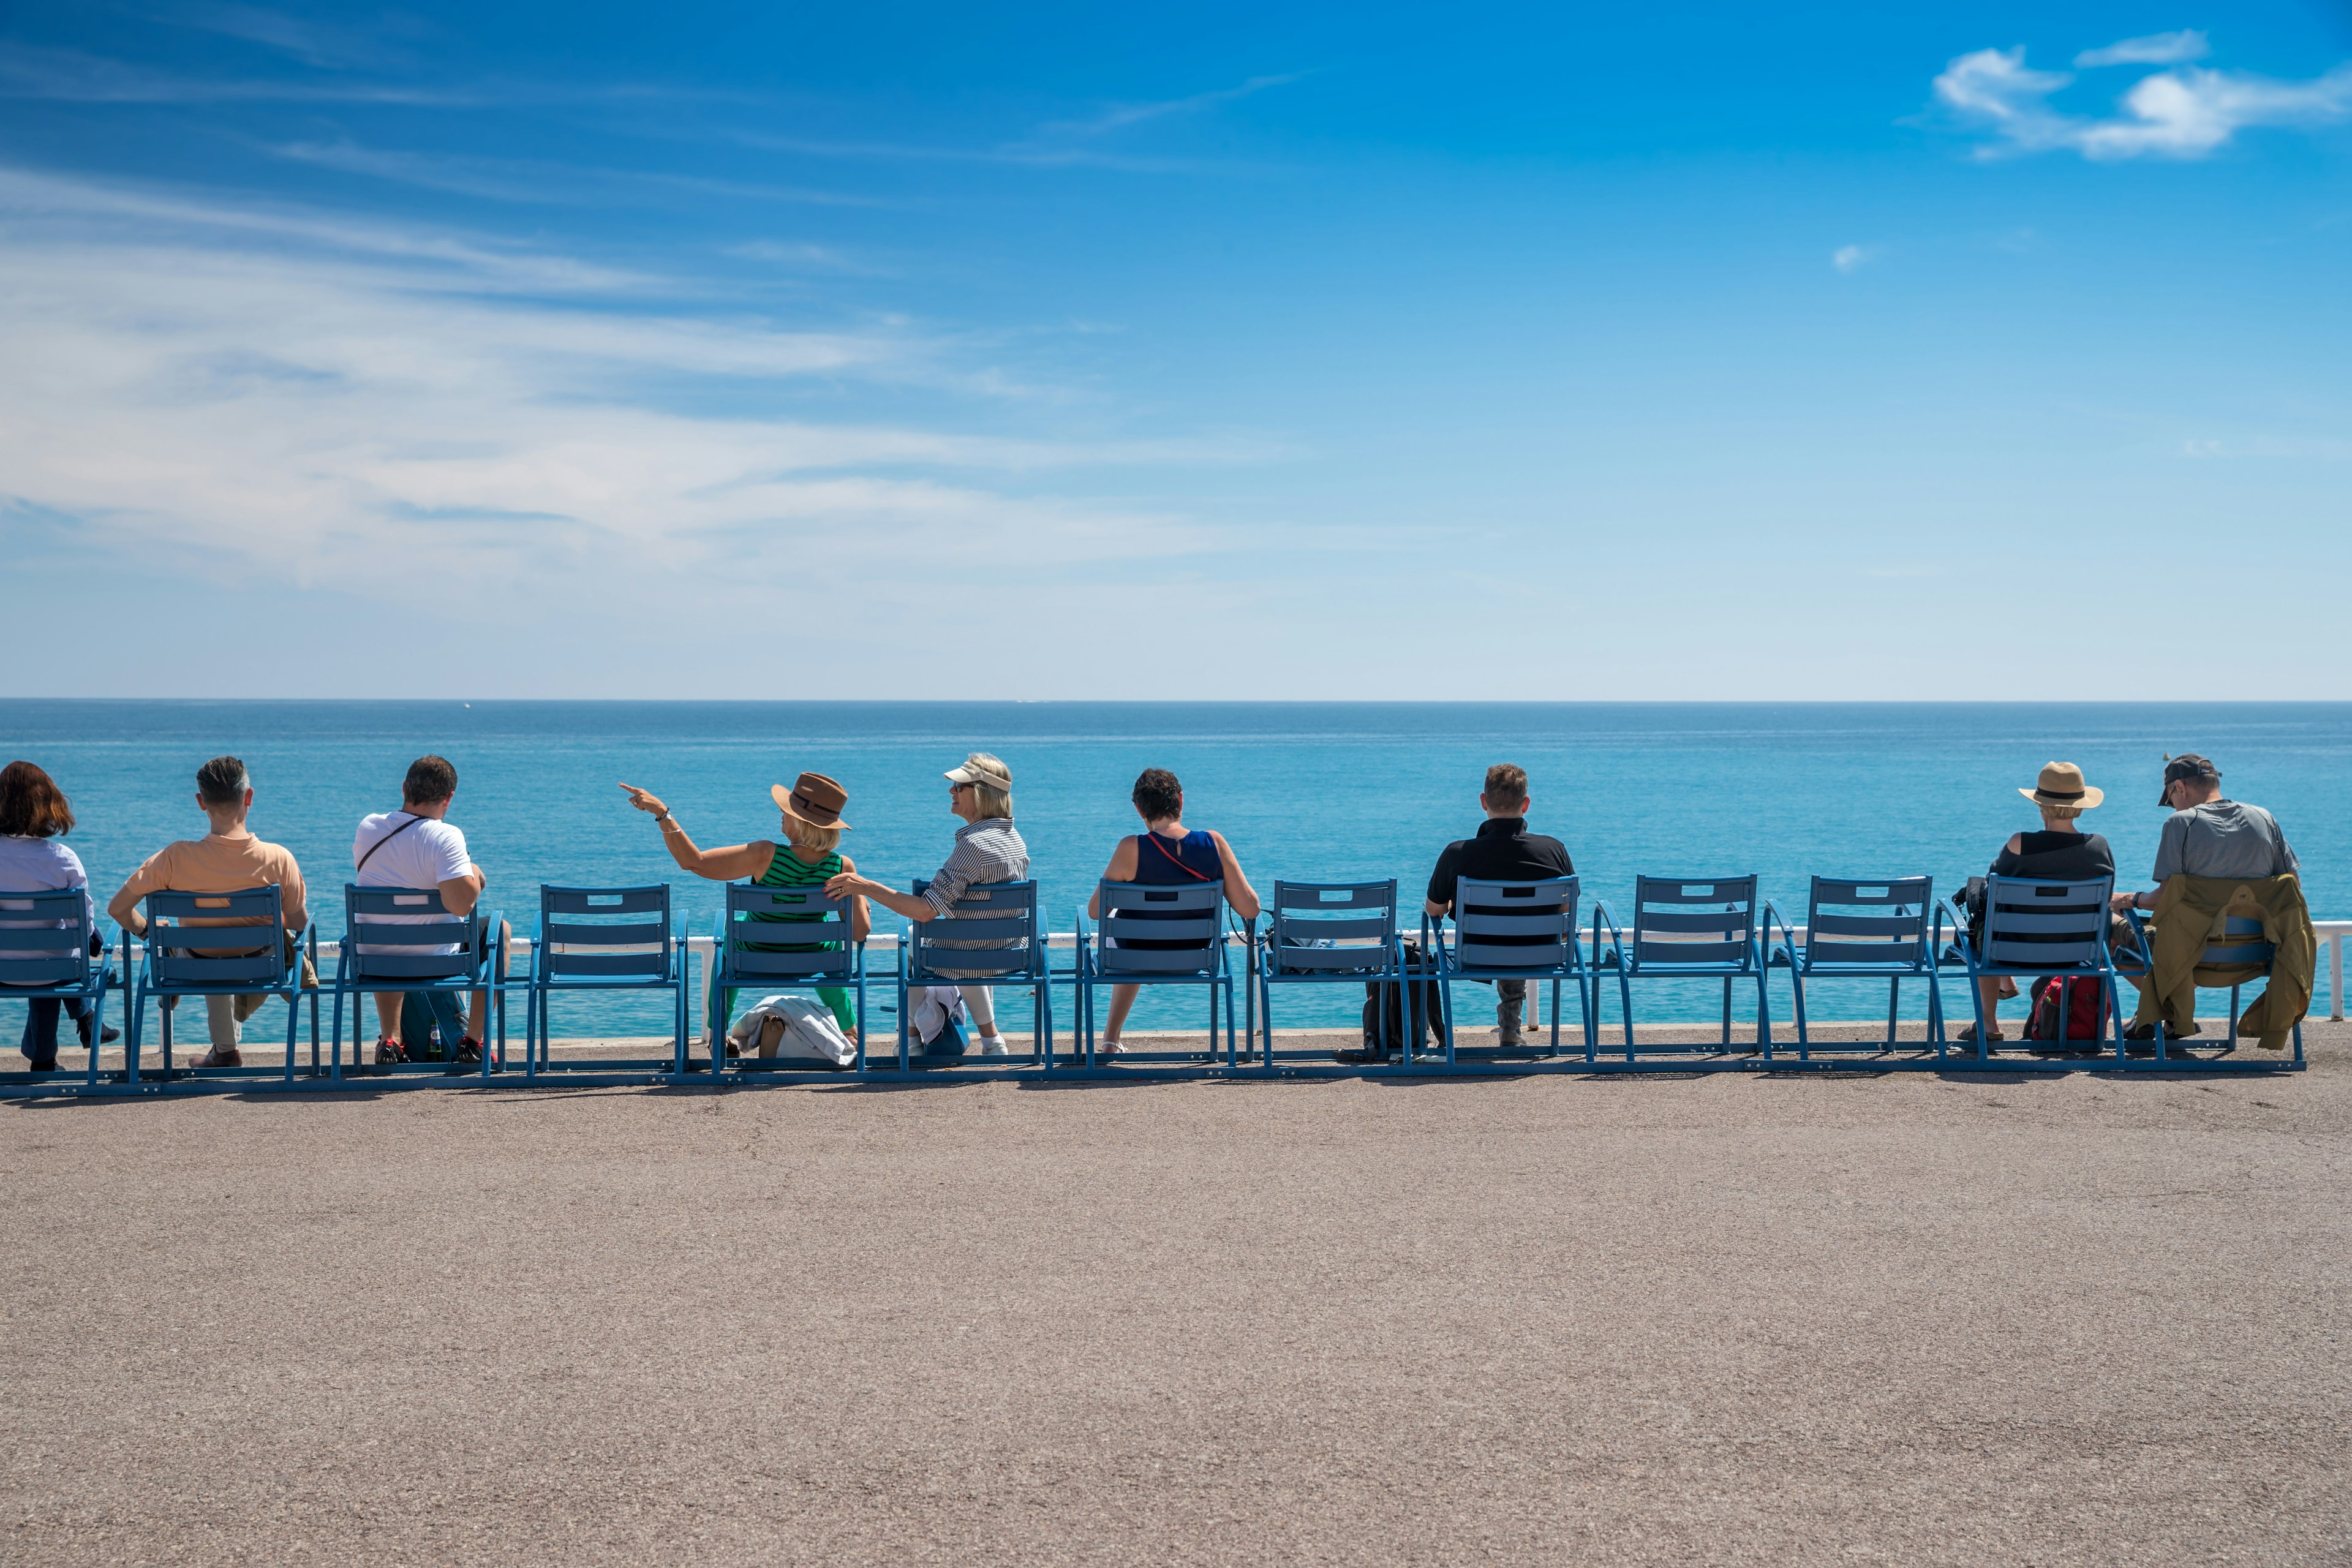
<point>1969,1035</point>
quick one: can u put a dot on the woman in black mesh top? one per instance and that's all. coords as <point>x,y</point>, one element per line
<point>2061,852</point>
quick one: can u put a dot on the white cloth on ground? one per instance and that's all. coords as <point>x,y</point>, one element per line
<point>809,1029</point>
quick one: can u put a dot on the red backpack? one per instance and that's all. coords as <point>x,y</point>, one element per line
<point>2086,1009</point>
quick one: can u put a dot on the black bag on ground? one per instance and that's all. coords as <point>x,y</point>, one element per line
<point>1385,1034</point>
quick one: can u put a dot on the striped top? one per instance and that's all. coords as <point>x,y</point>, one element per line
<point>787,869</point>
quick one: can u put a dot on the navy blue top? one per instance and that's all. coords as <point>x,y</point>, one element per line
<point>1197,850</point>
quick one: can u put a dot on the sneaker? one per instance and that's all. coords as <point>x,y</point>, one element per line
<point>994,1045</point>
<point>469,1050</point>
<point>220,1057</point>
<point>1365,1057</point>
<point>388,1052</point>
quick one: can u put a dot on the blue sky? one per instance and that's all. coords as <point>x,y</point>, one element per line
<point>1869,351</point>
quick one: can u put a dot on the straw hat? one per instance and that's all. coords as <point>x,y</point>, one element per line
<point>814,799</point>
<point>2061,784</point>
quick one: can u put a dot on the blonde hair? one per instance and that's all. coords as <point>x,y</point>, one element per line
<point>991,801</point>
<point>2059,813</point>
<point>809,836</point>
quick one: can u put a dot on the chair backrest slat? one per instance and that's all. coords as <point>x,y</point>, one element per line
<point>1879,923</point>
<point>51,930</point>
<point>1306,919</point>
<point>1002,914</point>
<point>391,934</point>
<point>771,918</point>
<point>211,955</point>
<point>2045,926</point>
<point>1515,924</point>
<point>1133,912</point>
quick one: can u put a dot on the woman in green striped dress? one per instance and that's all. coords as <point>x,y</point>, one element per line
<point>809,855</point>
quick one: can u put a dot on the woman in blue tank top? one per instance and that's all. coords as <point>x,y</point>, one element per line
<point>1165,853</point>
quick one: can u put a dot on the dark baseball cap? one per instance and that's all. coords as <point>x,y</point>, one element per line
<point>2187,766</point>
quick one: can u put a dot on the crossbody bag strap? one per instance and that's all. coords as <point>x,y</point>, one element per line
<point>381,842</point>
<point>1171,855</point>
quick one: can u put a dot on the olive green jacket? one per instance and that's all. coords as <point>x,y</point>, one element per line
<point>2188,911</point>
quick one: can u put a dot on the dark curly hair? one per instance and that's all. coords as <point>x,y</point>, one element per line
<point>31,804</point>
<point>1158,795</point>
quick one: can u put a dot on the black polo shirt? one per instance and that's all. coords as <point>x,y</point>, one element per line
<point>1504,851</point>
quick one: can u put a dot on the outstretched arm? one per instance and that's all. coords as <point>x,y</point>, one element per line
<point>748,861</point>
<point>907,904</point>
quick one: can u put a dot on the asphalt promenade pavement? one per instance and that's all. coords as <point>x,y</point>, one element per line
<point>1902,1318</point>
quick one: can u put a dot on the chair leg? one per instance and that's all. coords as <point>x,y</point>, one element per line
<point>1894,1010</point>
<point>1726,1015</point>
<point>1797,1005</point>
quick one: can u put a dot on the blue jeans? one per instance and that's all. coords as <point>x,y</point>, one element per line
<point>40,1041</point>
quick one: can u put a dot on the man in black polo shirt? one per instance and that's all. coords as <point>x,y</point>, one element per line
<point>1504,851</point>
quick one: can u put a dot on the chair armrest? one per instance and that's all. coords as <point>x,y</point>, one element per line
<point>1773,917</point>
<point>1602,915</point>
<point>1944,906</point>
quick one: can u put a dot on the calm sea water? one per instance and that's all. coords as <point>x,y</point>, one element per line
<point>1312,792</point>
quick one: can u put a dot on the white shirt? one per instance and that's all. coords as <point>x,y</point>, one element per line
<point>417,852</point>
<point>39,865</point>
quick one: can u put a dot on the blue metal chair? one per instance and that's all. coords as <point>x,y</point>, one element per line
<point>1686,928</point>
<point>604,940</point>
<point>182,958</point>
<point>751,957</point>
<point>2034,927</point>
<point>2239,944</point>
<point>403,958</point>
<point>1860,928</point>
<point>1513,931</point>
<point>1000,912</point>
<point>1190,919</point>
<point>1332,933</point>
<point>52,931</point>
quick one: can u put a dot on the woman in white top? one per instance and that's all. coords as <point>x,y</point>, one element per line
<point>33,814</point>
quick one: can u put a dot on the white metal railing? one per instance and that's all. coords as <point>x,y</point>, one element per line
<point>2332,936</point>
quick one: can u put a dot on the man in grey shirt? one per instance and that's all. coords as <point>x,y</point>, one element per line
<point>988,848</point>
<point>2209,837</point>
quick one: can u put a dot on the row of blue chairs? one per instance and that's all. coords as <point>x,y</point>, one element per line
<point>613,940</point>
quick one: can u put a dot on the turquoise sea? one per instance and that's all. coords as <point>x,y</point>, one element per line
<point>1314,792</point>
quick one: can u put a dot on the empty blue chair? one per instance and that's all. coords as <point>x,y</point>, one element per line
<point>1687,928</point>
<point>751,957</point>
<point>1861,928</point>
<point>1003,914</point>
<point>50,935</point>
<point>186,959</point>
<point>1333,933</point>
<point>1155,935</point>
<point>1512,930</point>
<point>405,957</point>
<point>2034,927</point>
<point>608,941</point>
<point>2239,946</point>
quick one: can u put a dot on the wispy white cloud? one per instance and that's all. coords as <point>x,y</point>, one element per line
<point>1118,117</point>
<point>2183,113</point>
<point>341,411</point>
<point>312,42</point>
<point>69,76</point>
<point>1847,257</point>
<point>533,182</point>
<point>2155,49</point>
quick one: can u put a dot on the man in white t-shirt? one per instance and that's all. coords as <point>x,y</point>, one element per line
<point>415,847</point>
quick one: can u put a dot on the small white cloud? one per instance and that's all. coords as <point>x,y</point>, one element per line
<point>2155,49</point>
<point>1846,257</point>
<point>2184,113</point>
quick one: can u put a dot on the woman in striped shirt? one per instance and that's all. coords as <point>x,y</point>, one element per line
<point>809,854</point>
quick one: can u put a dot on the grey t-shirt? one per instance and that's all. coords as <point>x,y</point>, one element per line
<point>2223,838</point>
